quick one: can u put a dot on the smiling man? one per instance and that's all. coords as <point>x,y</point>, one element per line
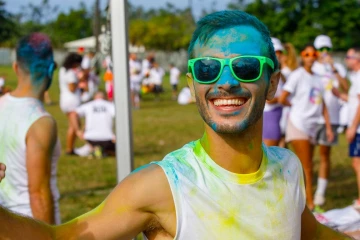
<point>226,185</point>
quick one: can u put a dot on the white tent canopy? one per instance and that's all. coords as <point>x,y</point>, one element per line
<point>89,44</point>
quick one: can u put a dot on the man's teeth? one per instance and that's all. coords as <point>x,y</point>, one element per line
<point>227,102</point>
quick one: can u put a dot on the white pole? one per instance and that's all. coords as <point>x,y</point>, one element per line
<point>124,154</point>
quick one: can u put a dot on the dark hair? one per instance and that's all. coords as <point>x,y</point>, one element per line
<point>34,55</point>
<point>356,49</point>
<point>208,25</point>
<point>71,60</point>
<point>308,45</point>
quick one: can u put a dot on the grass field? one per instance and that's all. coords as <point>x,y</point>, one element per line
<point>158,128</point>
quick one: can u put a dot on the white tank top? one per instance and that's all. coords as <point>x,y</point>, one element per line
<point>213,203</point>
<point>16,117</point>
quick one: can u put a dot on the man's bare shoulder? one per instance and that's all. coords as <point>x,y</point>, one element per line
<point>45,125</point>
<point>145,193</point>
<point>145,187</point>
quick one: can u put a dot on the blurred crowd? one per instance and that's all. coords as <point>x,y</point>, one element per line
<point>316,100</point>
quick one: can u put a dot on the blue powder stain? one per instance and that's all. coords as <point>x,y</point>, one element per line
<point>280,170</point>
<point>289,172</point>
<point>213,126</point>
<point>141,168</point>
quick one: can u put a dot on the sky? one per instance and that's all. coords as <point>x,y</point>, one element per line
<point>14,6</point>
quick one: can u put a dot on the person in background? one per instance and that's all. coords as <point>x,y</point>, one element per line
<point>332,76</point>
<point>185,96</point>
<point>70,75</point>
<point>135,80</point>
<point>307,106</point>
<point>108,77</point>
<point>99,115</point>
<point>174,80</point>
<point>273,109</point>
<point>91,71</point>
<point>28,135</point>
<point>2,171</point>
<point>156,78</point>
<point>288,63</point>
<point>352,60</point>
<point>3,88</point>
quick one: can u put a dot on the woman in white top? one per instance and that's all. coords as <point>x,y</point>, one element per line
<point>273,111</point>
<point>70,94</point>
<point>307,106</point>
<point>288,63</point>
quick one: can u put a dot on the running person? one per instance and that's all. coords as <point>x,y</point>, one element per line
<point>226,185</point>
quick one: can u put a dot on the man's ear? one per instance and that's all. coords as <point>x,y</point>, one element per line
<point>190,82</point>
<point>15,67</point>
<point>273,84</point>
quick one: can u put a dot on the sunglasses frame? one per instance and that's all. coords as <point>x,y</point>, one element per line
<point>228,62</point>
<point>351,57</point>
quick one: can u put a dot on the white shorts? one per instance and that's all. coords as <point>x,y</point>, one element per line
<point>69,105</point>
<point>135,86</point>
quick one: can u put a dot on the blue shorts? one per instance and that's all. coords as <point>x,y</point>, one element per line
<point>354,147</point>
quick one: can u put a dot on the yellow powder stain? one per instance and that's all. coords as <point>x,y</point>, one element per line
<point>262,185</point>
<point>193,191</point>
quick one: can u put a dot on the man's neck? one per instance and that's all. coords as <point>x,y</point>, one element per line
<point>25,90</point>
<point>240,153</point>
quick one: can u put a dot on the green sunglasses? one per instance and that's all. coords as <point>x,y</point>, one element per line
<point>207,70</point>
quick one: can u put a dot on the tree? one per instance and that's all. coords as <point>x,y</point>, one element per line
<point>301,21</point>
<point>8,27</point>
<point>165,29</point>
<point>71,26</point>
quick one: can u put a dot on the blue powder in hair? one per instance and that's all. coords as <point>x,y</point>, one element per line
<point>34,55</point>
<point>211,23</point>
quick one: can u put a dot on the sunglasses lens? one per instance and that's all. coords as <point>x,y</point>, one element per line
<point>207,70</point>
<point>246,68</point>
<point>312,54</point>
<point>325,49</point>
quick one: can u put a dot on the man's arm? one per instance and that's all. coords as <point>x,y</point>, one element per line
<point>351,131</point>
<point>139,200</point>
<point>40,142</point>
<point>312,229</point>
<point>14,226</point>
<point>329,133</point>
<point>283,98</point>
<point>135,204</point>
<point>2,171</point>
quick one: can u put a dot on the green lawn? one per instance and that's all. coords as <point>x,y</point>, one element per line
<point>158,128</point>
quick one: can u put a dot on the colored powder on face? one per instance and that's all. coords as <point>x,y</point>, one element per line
<point>225,43</point>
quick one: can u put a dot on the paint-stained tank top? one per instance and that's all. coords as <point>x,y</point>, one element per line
<point>16,117</point>
<point>213,203</point>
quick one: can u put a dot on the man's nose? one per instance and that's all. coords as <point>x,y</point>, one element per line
<point>227,80</point>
